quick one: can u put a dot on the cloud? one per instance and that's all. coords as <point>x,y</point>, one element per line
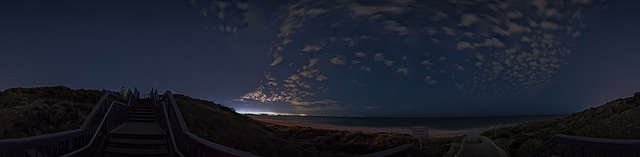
<point>552,12</point>
<point>294,77</point>
<point>426,62</point>
<point>533,23</point>
<point>442,58</point>
<point>548,25</point>
<point>372,107</point>
<point>439,16</point>
<point>305,103</point>
<point>511,45</point>
<point>514,15</point>
<point>493,42</point>
<point>467,20</point>
<point>448,31</point>
<point>225,17</point>
<point>581,1</point>
<point>430,81</point>
<point>497,67</point>
<point>431,31</point>
<point>365,68</point>
<point>310,48</point>
<point>242,5</point>
<point>277,61</point>
<point>306,74</point>
<point>378,57</point>
<point>480,56</point>
<point>468,34</point>
<point>396,27</point>
<point>339,60</point>
<point>547,38</point>
<point>312,62</point>
<point>404,71</point>
<point>256,95</point>
<point>268,76</point>
<point>371,11</point>
<point>464,45</point>
<point>500,31</point>
<point>540,4</point>
<point>576,34</point>
<point>516,28</point>
<point>321,77</point>
<point>388,62</point>
<point>294,19</point>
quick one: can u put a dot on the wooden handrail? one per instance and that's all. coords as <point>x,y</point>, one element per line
<point>192,144</point>
<point>579,143</point>
<point>93,138</point>
<point>76,140</point>
<point>403,150</point>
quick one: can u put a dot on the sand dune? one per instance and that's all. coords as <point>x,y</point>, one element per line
<point>433,133</point>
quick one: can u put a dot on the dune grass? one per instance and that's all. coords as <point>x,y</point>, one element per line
<point>617,119</point>
<point>28,112</point>
<point>222,125</point>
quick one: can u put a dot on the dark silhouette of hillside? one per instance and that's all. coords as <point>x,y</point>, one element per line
<point>618,119</point>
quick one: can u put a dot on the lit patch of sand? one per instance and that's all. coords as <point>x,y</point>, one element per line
<point>433,133</point>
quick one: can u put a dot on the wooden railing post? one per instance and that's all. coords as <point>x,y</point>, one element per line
<point>576,151</point>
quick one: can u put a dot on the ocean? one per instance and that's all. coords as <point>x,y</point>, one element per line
<point>448,123</point>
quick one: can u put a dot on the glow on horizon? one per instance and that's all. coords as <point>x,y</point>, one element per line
<point>270,113</point>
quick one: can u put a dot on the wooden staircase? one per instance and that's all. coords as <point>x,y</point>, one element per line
<point>139,136</point>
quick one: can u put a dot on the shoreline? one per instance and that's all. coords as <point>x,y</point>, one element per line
<point>433,133</point>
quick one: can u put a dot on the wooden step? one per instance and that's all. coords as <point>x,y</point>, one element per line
<point>141,119</point>
<point>152,116</point>
<point>143,109</point>
<point>139,128</point>
<point>137,136</point>
<point>137,141</point>
<point>136,151</point>
<point>142,112</point>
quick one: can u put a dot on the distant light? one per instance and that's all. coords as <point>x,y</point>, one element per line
<point>270,113</point>
<point>258,113</point>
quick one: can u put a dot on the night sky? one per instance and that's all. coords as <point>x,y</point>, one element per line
<point>423,58</point>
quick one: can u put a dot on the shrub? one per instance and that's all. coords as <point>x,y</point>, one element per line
<point>529,145</point>
<point>12,99</point>
<point>51,114</point>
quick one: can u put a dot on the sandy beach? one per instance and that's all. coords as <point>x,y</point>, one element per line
<point>433,133</point>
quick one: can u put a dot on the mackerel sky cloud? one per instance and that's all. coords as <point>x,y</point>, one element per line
<point>342,57</point>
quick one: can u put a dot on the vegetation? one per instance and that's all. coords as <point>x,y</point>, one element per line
<point>222,125</point>
<point>34,111</point>
<point>617,119</point>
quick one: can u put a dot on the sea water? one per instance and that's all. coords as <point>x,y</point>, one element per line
<point>443,123</point>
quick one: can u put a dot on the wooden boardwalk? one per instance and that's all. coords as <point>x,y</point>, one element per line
<point>475,145</point>
<point>140,135</point>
